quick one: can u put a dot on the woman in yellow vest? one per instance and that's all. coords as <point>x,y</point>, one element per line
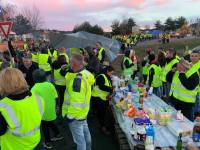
<point>100,52</point>
<point>171,62</point>
<point>184,88</point>
<point>34,54</point>
<point>59,81</point>
<point>154,75</point>
<point>128,66</point>
<point>100,94</point>
<point>20,112</point>
<point>44,61</point>
<point>53,53</point>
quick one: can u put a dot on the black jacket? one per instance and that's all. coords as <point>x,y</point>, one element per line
<point>169,60</point>
<point>29,73</point>
<point>100,81</point>
<point>94,65</point>
<point>151,73</point>
<point>126,64</point>
<point>189,83</point>
<point>57,65</point>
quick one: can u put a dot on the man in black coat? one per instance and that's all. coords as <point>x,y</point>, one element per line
<point>27,68</point>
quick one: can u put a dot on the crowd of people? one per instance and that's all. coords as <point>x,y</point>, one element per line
<point>41,84</point>
<point>173,78</point>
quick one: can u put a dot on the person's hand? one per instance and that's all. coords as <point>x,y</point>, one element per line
<point>64,67</point>
<point>135,61</point>
<point>174,69</point>
<point>180,69</point>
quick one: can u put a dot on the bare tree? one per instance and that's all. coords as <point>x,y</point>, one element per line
<point>8,11</point>
<point>33,15</point>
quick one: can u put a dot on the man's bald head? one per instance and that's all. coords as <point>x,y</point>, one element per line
<point>77,62</point>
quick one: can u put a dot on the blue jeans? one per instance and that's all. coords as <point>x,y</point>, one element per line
<point>157,91</point>
<point>81,134</point>
<point>197,104</point>
<point>166,89</point>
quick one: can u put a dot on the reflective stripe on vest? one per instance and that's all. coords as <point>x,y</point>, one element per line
<point>11,114</point>
<point>168,68</point>
<point>75,104</point>
<point>15,120</point>
<point>26,133</point>
<point>97,92</point>
<point>39,104</point>
<point>100,53</point>
<point>180,92</point>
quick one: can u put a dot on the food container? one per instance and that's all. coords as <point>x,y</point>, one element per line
<point>164,117</point>
<point>141,134</point>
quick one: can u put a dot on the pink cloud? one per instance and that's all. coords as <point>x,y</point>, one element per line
<point>132,3</point>
<point>89,5</point>
<point>43,5</point>
<point>161,2</point>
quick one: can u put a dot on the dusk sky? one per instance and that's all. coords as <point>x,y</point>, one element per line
<point>64,14</point>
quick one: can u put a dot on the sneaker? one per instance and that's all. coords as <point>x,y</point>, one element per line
<point>57,138</point>
<point>47,145</point>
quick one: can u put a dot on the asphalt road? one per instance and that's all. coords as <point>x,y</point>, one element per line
<point>99,140</point>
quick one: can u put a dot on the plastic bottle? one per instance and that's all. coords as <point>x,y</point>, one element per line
<point>196,130</point>
<point>179,142</point>
<point>150,132</point>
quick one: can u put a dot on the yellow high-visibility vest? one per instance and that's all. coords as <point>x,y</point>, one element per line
<point>97,92</point>
<point>23,118</point>
<point>78,93</point>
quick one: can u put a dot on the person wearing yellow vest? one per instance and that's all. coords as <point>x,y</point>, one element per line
<point>145,70</point>
<point>184,88</point>
<point>128,66</point>
<point>154,75</point>
<point>171,63</point>
<point>25,46</point>
<point>100,98</point>
<point>100,52</point>
<point>76,105</point>
<point>53,53</point>
<point>48,92</point>
<point>62,51</point>
<point>34,55</point>
<point>44,61</point>
<point>195,59</point>
<point>20,112</point>
<point>59,81</point>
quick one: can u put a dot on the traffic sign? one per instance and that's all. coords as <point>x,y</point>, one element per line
<point>5,28</point>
